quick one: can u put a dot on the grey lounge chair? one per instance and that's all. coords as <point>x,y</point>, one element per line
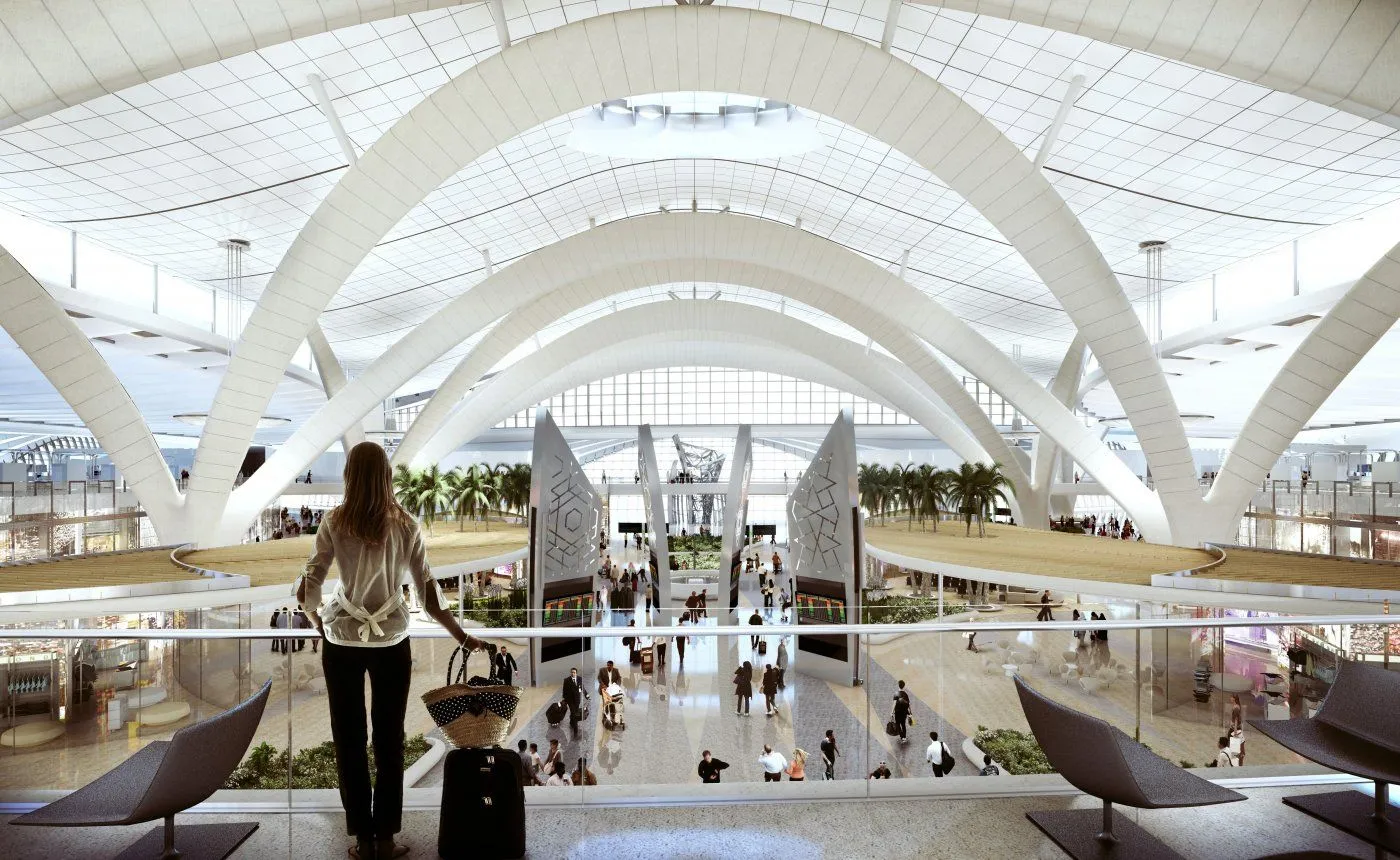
<point>163,778</point>
<point>1356,730</point>
<point>1101,761</point>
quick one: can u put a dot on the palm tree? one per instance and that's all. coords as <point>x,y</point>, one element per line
<point>433,493</point>
<point>976,488</point>
<point>868,485</point>
<point>912,491</point>
<point>406,488</point>
<point>471,493</point>
<point>933,495</point>
<point>515,487</point>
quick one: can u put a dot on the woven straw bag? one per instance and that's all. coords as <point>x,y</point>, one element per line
<point>472,714</point>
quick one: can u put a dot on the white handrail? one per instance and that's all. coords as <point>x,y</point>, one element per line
<point>730,630</point>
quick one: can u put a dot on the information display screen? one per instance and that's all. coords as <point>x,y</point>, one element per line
<point>573,609</point>
<point>818,609</point>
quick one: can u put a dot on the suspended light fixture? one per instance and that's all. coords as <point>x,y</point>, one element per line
<point>695,125</point>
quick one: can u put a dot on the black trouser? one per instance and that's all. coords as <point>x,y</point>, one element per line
<point>772,777</point>
<point>574,713</point>
<point>1044,614</point>
<point>741,703</point>
<point>680,649</point>
<point>661,654</point>
<point>903,724</point>
<point>369,813</point>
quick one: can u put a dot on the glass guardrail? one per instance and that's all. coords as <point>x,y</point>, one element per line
<point>76,701</point>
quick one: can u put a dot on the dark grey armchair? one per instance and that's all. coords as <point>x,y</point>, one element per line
<point>1100,760</point>
<point>1356,730</point>
<point>163,778</point>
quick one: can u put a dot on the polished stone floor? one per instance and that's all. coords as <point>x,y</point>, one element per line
<point>888,829</point>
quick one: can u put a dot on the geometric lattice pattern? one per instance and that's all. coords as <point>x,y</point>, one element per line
<point>817,543</point>
<point>571,516</point>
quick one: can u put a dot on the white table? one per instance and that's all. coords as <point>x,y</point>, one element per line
<point>1009,669</point>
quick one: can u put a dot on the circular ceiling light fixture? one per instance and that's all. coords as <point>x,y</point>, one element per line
<point>198,419</point>
<point>695,125</point>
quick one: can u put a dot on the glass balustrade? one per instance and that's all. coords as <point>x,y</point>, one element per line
<point>81,696</point>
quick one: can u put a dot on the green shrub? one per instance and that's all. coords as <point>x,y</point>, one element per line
<point>313,767</point>
<point>700,543</point>
<point>697,561</point>
<point>900,609</point>
<point>508,610</point>
<point>1015,751</point>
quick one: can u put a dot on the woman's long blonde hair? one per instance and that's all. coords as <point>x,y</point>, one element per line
<point>369,503</point>
<point>799,755</point>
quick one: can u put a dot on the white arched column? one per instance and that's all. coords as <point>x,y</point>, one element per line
<point>1322,361</point>
<point>1045,453</point>
<point>801,338</point>
<point>870,319</point>
<point>66,357</point>
<point>654,241</point>
<point>680,48</point>
<point>671,333</point>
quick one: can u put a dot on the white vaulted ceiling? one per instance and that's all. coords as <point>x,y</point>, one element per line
<point>1154,148</point>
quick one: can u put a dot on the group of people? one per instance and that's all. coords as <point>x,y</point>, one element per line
<point>1230,746</point>
<point>1096,641</point>
<point>775,765</point>
<point>770,682</point>
<point>289,619</point>
<point>548,770</point>
<point>1110,528</point>
<point>681,478</point>
<point>289,526</point>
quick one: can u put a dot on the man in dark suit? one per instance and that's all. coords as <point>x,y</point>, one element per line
<point>573,696</point>
<point>609,674</point>
<point>505,665</point>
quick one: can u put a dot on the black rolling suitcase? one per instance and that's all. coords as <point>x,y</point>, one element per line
<point>483,806</point>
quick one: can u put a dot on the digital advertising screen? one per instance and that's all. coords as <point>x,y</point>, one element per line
<point>819,609</point>
<point>573,609</point>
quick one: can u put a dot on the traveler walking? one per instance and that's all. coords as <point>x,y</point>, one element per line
<point>773,764</point>
<point>709,767</point>
<point>829,753</point>
<point>743,688</point>
<point>939,758</point>
<point>901,712</point>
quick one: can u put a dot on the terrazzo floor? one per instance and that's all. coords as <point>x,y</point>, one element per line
<point>888,829</point>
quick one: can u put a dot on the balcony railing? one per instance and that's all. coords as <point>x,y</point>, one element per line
<point>88,698</point>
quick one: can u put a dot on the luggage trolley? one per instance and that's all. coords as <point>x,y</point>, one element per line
<point>614,707</point>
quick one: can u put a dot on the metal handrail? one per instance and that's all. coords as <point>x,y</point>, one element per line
<point>729,630</point>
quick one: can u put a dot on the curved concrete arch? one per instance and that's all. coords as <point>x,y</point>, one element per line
<point>1338,54</point>
<point>60,350</point>
<point>529,318</point>
<point>664,333</point>
<point>912,397</point>
<point>653,241</point>
<point>724,49</point>
<point>1322,361</point>
<point>445,436</point>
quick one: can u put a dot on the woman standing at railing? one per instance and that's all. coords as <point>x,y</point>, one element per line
<point>372,540</point>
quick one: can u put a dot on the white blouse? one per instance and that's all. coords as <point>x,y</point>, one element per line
<point>367,607</point>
